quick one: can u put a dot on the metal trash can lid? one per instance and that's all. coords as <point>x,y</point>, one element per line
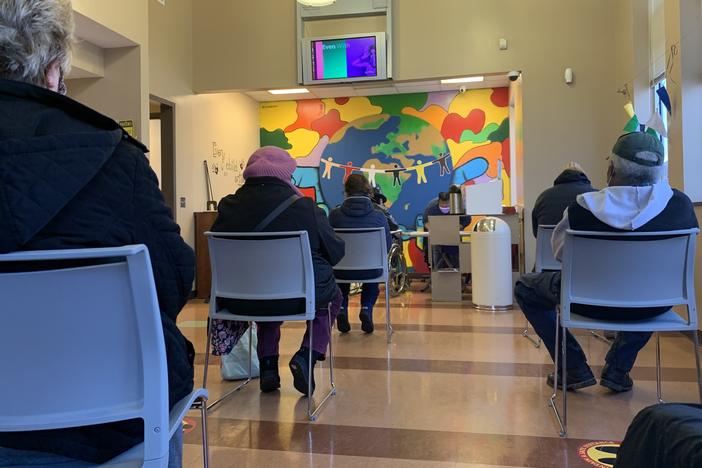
<point>491,224</point>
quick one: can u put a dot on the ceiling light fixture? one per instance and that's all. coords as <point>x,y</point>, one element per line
<point>316,3</point>
<point>467,79</point>
<point>289,91</point>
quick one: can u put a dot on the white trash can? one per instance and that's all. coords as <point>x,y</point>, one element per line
<point>491,264</point>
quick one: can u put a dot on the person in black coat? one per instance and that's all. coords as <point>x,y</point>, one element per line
<point>358,211</point>
<point>72,178</point>
<point>549,207</point>
<point>268,174</point>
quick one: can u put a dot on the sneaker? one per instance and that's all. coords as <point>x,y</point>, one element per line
<point>574,380</point>
<point>366,317</point>
<point>342,323</point>
<point>299,366</point>
<point>270,379</point>
<point>615,379</point>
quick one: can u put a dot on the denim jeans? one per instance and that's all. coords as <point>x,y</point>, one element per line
<point>18,458</point>
<point>369,294</point>
<point>539,307</point>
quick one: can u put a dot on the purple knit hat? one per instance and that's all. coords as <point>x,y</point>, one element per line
<point>271,161</point>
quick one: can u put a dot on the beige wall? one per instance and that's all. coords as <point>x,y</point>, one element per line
<point>171,48</point>
<point>229,119</point>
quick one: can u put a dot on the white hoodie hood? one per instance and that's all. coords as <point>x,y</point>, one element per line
<point>627,207</point>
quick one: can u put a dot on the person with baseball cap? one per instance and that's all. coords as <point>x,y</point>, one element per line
<point>638,198</point>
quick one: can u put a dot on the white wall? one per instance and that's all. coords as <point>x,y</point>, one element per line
<point>230,120</point>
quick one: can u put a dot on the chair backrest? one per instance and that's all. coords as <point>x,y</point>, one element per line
<point>366,249</point>
<point>262,266</point>
<point>544,252</point>
<point>630,270</point>
<point>81,342</point>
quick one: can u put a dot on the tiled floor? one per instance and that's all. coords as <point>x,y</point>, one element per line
<point>456,388</point>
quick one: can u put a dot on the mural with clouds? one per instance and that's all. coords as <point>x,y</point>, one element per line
<point>412,146</point>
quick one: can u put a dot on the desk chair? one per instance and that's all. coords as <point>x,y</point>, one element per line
<point>97,352</point>
<point>264,266</point>
<point>649,269</point>
<point>366,249</point>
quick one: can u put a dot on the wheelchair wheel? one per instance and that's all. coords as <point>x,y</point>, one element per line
<point>397,269</point>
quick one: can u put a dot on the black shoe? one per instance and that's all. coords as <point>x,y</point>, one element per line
<point>342,323</point>
<point>615,379</point>
<point>270,379</point>
<point>299,366</point>
<point>366,317</point>
<point>574,380</point>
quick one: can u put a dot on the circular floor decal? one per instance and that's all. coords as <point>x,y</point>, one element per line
<point>188,425</point>
<point>602,454</point>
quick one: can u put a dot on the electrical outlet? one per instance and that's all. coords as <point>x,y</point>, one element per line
<point>182,202</point>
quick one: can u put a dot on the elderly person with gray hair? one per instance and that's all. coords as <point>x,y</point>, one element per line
<point>72,178</point>
<point>638,198</point>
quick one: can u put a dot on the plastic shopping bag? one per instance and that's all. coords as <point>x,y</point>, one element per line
<point>235,365</point>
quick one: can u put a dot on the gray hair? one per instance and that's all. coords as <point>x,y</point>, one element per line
<point>629,173</point>
<point>33,35</point>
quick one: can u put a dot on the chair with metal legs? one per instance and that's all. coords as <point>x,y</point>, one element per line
<point>544,261</point>
<point>366,249</point>
<point>252,269</point>
<point>626,270</point>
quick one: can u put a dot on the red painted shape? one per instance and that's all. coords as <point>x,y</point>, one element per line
<point>506,157</point>
<point>341,100</point>
<point>454,124</point>
<point>309,192</point>
<point>417,257</point>
<point>308,110</point>
<point>329,124</point>
<point>500,97</point>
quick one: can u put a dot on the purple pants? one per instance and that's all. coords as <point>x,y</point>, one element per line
<point>269,332</point>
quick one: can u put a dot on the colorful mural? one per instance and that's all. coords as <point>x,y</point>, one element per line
<point>412,146</point>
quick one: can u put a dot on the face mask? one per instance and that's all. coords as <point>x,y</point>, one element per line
<point>445,209</point>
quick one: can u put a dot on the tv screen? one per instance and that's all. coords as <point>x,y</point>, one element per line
<point>357,57</point>
<point>353,57</point>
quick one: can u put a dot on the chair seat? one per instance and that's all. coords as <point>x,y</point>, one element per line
<point>379,279</point>
<point>668,321</point>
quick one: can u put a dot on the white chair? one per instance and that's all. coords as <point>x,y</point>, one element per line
<point>83,345</point>
<point>366,249</point>
<point>264,266</point>
<point>633,269</point>
<point>544,261</point>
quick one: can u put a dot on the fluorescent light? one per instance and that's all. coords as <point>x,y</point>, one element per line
<point>316,3</point>
<point>467,79</point>
<point>289,91</point>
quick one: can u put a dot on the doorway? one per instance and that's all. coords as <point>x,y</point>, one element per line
<point>162,146</point>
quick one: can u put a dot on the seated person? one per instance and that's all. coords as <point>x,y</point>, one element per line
<point>91,186</point>
<point>638,198</point>
<point>358,211</point>
<point>268,185</point>
<point>549,207</point>
<point>448,255</point>
<point>379,200</point>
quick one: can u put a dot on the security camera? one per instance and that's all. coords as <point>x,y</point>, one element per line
<point>514,75</point>
<point>462,89</point>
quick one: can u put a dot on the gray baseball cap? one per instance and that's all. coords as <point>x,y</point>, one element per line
<point>629,145</point>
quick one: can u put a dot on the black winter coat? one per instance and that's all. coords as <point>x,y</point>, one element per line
<point>245,209</point>
<point>72,178</point>
<point>551,204</point>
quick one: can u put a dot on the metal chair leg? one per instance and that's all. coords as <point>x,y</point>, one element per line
<point>312,415</point>
<point>696,344</point>
<point>207,353</point>
<point>203,424</point>
<point>388,325</point>
<point>243,384</point>
<point>659,396</point>
<point>600,337</point>
<point>535,341</point>
<point>556,369</point>
<point>564,375</point>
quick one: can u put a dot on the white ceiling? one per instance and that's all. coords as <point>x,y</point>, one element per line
<point>377,88</point>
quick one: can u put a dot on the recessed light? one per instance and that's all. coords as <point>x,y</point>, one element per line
<point>467,79</point>
<point>289,91</point>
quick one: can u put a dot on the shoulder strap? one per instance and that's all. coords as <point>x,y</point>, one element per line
<point>275,213</point>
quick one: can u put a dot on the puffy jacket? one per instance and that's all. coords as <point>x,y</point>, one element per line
<point>549,207</point>
<point>245,209</point>
<point>72,178</point>
<point>359,212</point>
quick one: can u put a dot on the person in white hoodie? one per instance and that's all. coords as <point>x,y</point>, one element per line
<point>638,198</point>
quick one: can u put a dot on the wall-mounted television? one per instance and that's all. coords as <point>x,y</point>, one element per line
<point>341,59</point>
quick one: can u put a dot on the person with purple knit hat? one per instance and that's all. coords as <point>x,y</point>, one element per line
<point>267,176</point>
